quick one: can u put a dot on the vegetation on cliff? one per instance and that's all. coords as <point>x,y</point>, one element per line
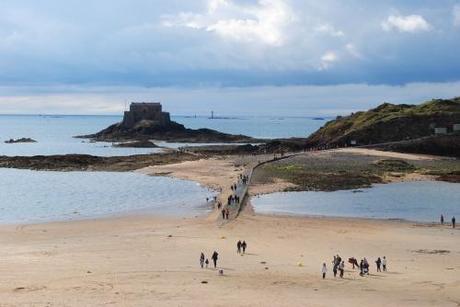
<point>389,123</point>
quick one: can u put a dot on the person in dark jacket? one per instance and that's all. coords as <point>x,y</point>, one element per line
<point>453,222</point>
<point>378,263</point>
<point>214,258</point>
<point>243,246</point>
<point>238,247</point>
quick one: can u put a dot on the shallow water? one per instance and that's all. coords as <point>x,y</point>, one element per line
<point>38,196</point>
<point>55,133</point>
<point>421,201</point>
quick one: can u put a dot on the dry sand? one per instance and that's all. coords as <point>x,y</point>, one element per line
<point>152,261</point>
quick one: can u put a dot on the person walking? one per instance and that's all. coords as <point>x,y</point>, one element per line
<point>214,258</point>
<point>238,247</point>
<point>227,213</point>
<point>384,263</point>
<point>243,246</point>
<point>223,213</point>
<point>324,270</point>
<point>378,263</point>
<point>342,268</point>
<point>453,222</point>
<point>442,219</point>
<point>202,260</point>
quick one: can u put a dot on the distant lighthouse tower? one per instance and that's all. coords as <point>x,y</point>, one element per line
<point>212,114</point>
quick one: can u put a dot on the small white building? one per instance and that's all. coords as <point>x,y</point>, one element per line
<point>440,130</point>
<point>456,128</point>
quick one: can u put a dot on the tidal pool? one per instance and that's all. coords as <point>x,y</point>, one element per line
<point>422,201</point>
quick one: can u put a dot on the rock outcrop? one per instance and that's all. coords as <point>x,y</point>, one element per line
<point>21,140</point>
<point>146,121</point>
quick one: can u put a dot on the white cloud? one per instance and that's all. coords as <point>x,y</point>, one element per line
<point>410,23</point>
<point>263,22</point>
<point>351,49</point>
<point>328,59</point>
<point>457,15</point>
<point>330,30</point>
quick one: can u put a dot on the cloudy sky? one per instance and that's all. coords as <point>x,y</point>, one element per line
<point>290,57</point>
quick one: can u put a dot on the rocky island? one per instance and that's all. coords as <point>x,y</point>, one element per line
<point>147,121</point>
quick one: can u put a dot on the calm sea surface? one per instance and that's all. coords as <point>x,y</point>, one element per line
<point>421,201</point>
<point>55,133</point>
<point>36,196</point>
<point>30,196</point>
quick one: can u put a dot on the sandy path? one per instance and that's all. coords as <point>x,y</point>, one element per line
<point>148,261</point>
<point>387,154</point>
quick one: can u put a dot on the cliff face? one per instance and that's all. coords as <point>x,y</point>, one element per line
<point>389,123</point>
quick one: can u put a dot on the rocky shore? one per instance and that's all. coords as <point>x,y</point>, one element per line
<point>76,162</point>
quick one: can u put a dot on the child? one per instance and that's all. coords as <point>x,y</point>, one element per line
<point>207,262</point>
<point>324,270</point>
<point>342,268</point>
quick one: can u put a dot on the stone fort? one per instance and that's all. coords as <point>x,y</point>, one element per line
<point>145,111</point>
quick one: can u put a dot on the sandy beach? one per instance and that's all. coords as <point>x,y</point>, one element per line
<point>151,261</point>
<point>154,261</point>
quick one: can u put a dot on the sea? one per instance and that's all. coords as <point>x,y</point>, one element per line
<point>55,134</point>
<point>41,196</point>
<point>421,201</point>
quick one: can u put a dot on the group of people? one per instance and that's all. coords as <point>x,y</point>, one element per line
<point>225,213</point>
<point>233,199</point>
<point>339,266</point>
<point>204,262</point>
<point>241,247</point>
<point>453,220</point>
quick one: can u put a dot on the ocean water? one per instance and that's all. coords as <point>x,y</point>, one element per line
<point>55,133</point>
<point>38,196</point>
<point>422,201</point>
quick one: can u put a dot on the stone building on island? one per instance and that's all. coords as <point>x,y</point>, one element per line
<point>147,112</point>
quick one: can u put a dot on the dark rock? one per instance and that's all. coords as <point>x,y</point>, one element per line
<point>136,144</point>
<point>76,162</point>
<point>21,140</point>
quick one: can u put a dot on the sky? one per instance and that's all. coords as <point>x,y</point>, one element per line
<point>236,57</point>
